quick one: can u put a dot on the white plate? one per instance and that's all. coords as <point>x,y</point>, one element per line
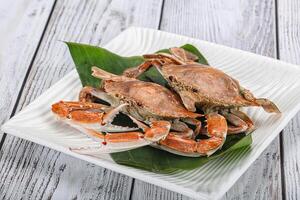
<point>266,77</point>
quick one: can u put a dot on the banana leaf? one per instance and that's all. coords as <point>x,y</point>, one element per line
<point>148,158</point>
<point>156,160</point>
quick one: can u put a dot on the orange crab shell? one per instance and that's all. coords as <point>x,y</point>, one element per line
<point>210,85</point>
<point>153,97</point>
<point>77,111</point>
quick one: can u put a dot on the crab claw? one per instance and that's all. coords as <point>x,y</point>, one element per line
<point>217,130</point>
<point>64,108</point>
<point>95,121</point>
<point>244,121</point>
<point>159,130</point>
<point>236,124</point>
<point>268,105</point>
<point>91,119</point>
<point>123,141</point>
<point>89,115</point>
<point>183,55</point>
<point>111,142</point>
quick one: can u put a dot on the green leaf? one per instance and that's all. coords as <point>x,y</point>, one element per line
<point>156,160</point>
<point>86,56</point>
<point>148,158</point>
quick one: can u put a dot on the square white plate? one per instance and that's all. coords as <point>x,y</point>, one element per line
<point>266,77</point>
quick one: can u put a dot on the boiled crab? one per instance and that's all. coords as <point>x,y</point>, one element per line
<point>204,86</point>
<point>149,101</point>
<point>146,104</point>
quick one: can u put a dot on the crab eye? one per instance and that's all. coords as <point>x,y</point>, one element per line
<point>194,90</point>
<point>171,78</point>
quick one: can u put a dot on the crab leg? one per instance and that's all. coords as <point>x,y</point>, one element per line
<point>194,122</point>
<point>217,130</point>
<point>239,125</point>
<point>135,72</point>
<point>78,111</point>
<point>87,93</point>
<point>158,129</point>
<point>267,105</point>
<point>64,108</point>
<point>178,56</point>
<point>111,142</point>
<point>89,115</point>
<point>100,73</point>
<point>115,137</point>
<point>241,122</point>
<point>165,58</point>
<point>183,55</point>
<point>245,118</point>
<point>152,59</point>
<point>110,115</point>
<point>179,145</point>
<point>122,141</point>
<point>182,129</point>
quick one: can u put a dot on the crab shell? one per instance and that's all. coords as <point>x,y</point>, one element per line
<point>208,87</point>
<point>147,100</point>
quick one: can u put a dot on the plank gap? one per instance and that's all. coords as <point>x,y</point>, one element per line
<point>281,153</point>
<point>161,14</point>
<point>131,189</point>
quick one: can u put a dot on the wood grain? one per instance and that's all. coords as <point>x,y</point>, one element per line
<point>289,50</point>
<point>247,25</point>
<point>28,170</point>
<point>22,24</point>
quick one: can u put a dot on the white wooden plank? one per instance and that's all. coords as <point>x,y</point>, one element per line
<point>289,50</point>
<point>30,170</point>
<point>22,24</point>
<point>247,25</point>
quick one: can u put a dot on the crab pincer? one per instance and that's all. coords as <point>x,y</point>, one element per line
<point>95,120</point>
<point>216,131</point>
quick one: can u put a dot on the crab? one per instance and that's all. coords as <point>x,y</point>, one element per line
<point>147,104</point>
<point>204,86</point>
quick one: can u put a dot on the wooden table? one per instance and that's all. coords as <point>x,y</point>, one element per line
<point>32,58</point>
